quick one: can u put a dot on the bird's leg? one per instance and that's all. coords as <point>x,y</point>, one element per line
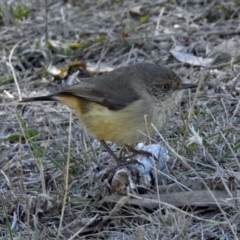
<point>108,149</point>
<point>120,161</point>
<point>138,151</point>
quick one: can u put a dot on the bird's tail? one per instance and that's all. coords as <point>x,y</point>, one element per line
<point>40,98</point>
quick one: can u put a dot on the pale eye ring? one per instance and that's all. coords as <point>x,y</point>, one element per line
<point>165,87</point>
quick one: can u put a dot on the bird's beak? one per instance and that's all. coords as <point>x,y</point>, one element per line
<point>187,85</point>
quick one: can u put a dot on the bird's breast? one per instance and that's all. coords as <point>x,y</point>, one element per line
<point>121,126</point>
<point>128,125</point>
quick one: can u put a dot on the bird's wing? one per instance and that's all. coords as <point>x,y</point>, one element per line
<point>114,96</point>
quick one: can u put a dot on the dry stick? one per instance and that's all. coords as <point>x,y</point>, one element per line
<point>237,78</point>
<point>155,167</point>
<point>65,30</point>
<point>84,227</point>
<point>159,20</point>
<point>14,220</point>
<point>235,112</point>
<point>38,163</point>
<point>186,164</point>
<point>220,32</point>
<point>85,138</point>
<point>221,133</point>
<point>20,161</point>
<point>217,96</point>
<point>179,210</point>
<point>230,148</point>
<point>9,64</point>
<point>28,213</point>
<point>225,109</point>
<point>102,55</point>
<point>192,107</point>
<point>66,178</point>
<point>46,20</point>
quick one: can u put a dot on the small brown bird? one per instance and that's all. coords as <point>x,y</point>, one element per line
<point>121,105</point>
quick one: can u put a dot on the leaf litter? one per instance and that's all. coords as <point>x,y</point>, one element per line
<point>201,198</point>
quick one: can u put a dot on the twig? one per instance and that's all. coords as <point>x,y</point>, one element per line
<point>9,63</point>
<point>66,174</point>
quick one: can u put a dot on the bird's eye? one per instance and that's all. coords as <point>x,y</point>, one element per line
<point>165,87</point>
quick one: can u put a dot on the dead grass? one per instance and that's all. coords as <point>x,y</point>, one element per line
<point>51,173</point>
